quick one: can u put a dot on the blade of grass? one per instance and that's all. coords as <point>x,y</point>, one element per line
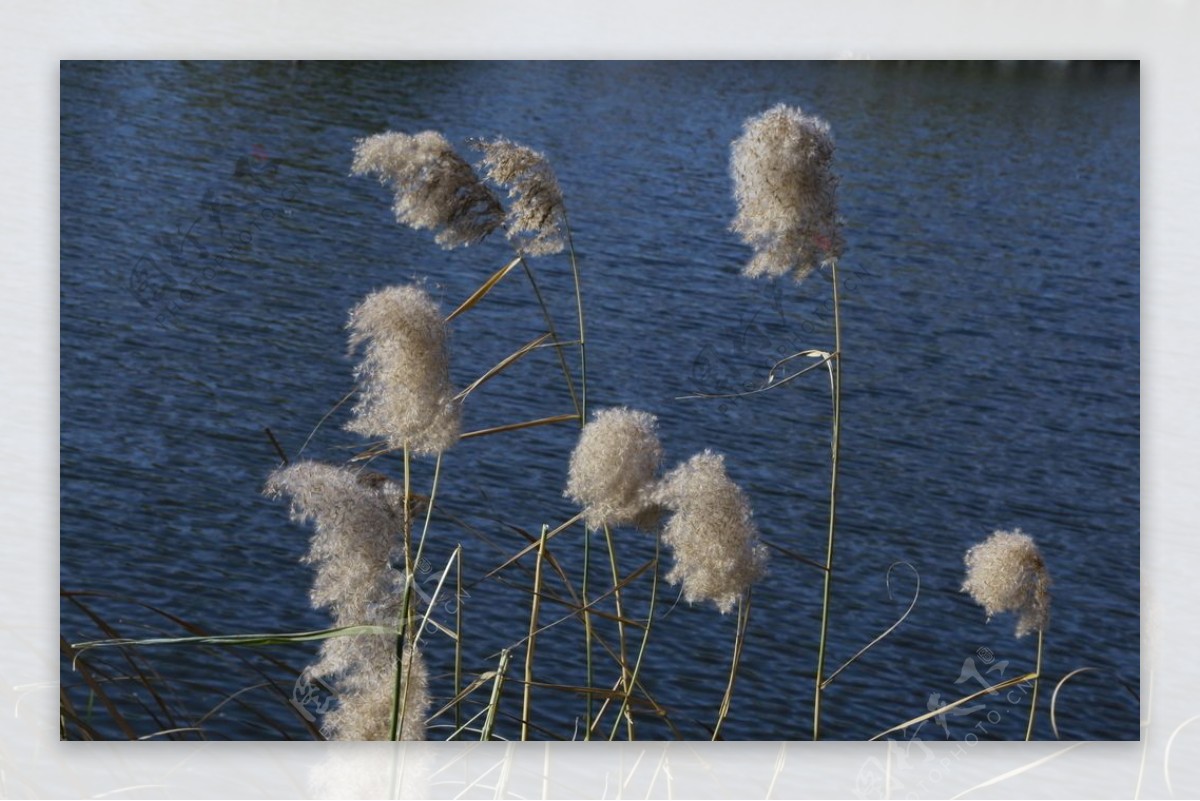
<point>241,639</point>
<point>542,421</point>
<point>955,704</point>
<point>835,380</point>
<point>502,365</point>
<point>562,359</point>
<point>483,289</point>
<point>912,605</point>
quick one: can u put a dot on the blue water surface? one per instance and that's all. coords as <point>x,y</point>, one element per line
<point>213,241</point>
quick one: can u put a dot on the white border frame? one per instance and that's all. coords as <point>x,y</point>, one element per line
<point>33,763</point>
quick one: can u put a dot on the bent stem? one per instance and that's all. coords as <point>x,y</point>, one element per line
<point>739,641</point>
<point>1037,679</point>
<point>835,376</point>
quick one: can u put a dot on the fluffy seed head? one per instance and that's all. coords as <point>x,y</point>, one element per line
<point>613,468</point>
<point>355,527</point>
<point>434,187</point>
<point>404,376</point>
<point>786,193</point>
<point>718,555</point>
<point>356,524</point>
<point>1006,573</point>
<point>366,684</point>
<point>535,216</point>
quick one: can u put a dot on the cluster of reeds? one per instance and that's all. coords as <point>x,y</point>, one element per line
<point>370,523</point>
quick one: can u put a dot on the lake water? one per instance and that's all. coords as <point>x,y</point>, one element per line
<point>212,243</point>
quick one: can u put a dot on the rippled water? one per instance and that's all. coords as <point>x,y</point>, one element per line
<point>212,243</point>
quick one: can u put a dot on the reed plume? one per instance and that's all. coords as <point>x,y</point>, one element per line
<point>718,555</point>
<point>786,193</point>
<point>536,212</point>
<point>613,468</point>
<point>1006,573</point>
<point>404,376</point>
<point>434,187</point>
<point>355,535</point>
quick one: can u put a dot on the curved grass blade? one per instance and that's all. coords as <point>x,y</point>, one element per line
<point>912,605</point>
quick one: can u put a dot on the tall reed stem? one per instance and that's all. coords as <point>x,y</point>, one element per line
<point>739,641</point>
<point>627,685</point>
<point>458,640</point>
<point>835,365</point>
<point>1036,681</point>
<point>535,606</point>
<point>637,665</point>
<point>589,706</point>
<point>587,540</point>
<point>407,613</point>
<point>579,314</point>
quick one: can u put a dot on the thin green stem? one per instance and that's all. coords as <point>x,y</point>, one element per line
<point>402,691</point>
<point>562,359</point>
<point>620,609</point>
<point>739,640</point>
<point>587,633</point>
<point>835,365</point>
<point>579,315</point>
<point>637,665</point>
<point>407,616</point>
<point>1034,695</point>
<point>489,723</point>
<point>582,408</point>
<point>458,642</point>
<point>437,473</point>
<point>535,606</point>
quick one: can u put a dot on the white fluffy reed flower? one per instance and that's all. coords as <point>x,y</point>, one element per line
<point>718,555</point>
<point>786,192</point>
<point>613,468</point>
<point>364,710</point>
<point>434,187</point>
<point>404,376</point>
<point>356,525</point>
<point>535,216</point>
<point>355,531</point>
<point>1006,573</point>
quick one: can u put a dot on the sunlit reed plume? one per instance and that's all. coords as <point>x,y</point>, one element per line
<point>434,187</point>
<point>1006,573</point>
<point>356,524</point>
<point>535,215</point>
<point>404,375</point>
<point>614,467</point>
<point>718,555</point>
<point>786,193</point>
